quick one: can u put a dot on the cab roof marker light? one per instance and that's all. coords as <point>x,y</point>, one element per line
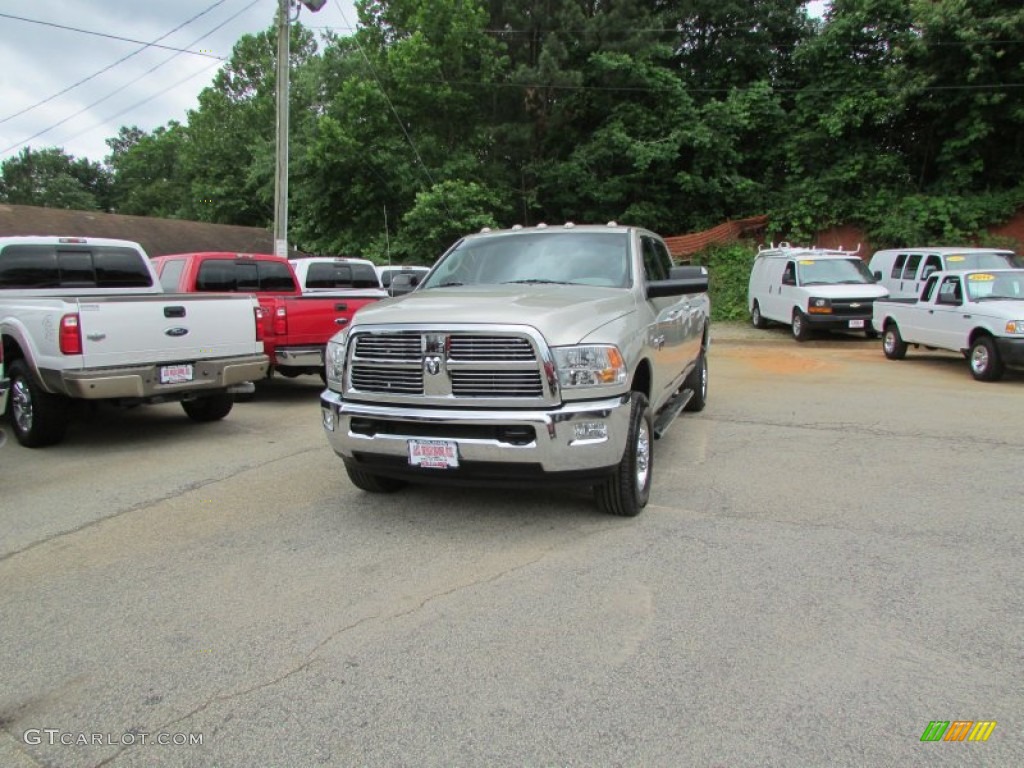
<point>542,225</point>
<point>569,225</point>
<point>71,240</point>
<point>517,227</point>
<point>483,231</point>
<point>613,224</point>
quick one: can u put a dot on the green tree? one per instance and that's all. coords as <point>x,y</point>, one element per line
<point>148,177</point>
<point>53,179</point>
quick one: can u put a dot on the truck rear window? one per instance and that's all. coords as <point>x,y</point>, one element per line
<point>49,266</point>
<point>244,276</point>
<point>341,275</point>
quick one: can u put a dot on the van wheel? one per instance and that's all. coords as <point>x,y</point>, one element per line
<point>893,345</point>
<point>626,491</point>
<point>210,408</point>
<point>801,328</point>
<point>39,418</point>
<point>986,364</point>
<point>756,319</point>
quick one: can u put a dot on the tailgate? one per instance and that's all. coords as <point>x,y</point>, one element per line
<point>130,330</point>
<point>313,319</point>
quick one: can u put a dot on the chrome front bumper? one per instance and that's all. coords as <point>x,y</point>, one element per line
<point>143,381</point>
<point>565,439</point>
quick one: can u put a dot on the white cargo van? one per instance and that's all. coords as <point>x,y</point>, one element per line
<point>812,289</point>
<point>903,271</point>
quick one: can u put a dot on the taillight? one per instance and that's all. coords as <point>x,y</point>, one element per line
<point>281,321</point>
<point>70,335</point>
<point>259,323</point>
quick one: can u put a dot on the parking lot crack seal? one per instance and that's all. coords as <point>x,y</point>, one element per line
<point>183,489</point>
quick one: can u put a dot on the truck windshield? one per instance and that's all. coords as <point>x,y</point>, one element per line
<point>833,272</point>
<point>560,256</point>
<point>982,286</point>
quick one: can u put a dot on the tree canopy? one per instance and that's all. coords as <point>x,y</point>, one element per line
<point>435,117</point>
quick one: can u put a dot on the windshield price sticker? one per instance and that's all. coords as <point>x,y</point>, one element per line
<point>981,277</point>
<point>434,454</point>
<point>175,374</point>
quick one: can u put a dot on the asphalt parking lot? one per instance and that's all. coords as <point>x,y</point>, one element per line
<point>830,561</point>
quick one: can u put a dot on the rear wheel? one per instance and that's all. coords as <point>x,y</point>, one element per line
<point>211,408</point>
<point>626,491</point>
<point>893,345</point>
<point>756,319</point>
<point>371,483</point>
<point>38,418</point>
<point>986,365</point>
<point>698,382</point>
<point>801,328</point>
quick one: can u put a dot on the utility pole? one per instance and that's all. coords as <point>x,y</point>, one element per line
<point>284,20</point>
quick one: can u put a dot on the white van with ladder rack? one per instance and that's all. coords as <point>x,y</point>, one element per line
<point>812,289</point>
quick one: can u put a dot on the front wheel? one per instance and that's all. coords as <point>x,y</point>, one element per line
<point>371,483</point>
<point>626,491</point>
<point>801,328</point>
<point>39,418</point>
<point>986,364</point>
<point>893,345</point>
<point>211,408</point>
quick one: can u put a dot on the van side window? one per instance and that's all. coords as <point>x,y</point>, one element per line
<point>929,289</point>
<point>789,274</point>
<point>950,292</point>
<point>910,271</point>
<point>897,267</point>
<point>931,264</point>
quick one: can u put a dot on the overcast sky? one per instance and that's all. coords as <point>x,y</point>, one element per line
<point>39,60</point>
<point>42,63</point>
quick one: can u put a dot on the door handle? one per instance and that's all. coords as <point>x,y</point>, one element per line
<point>340,320</point>
<point>967,317</point>
<point>341,307</point>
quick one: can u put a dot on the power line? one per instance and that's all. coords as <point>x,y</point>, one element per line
<point>144,45</point>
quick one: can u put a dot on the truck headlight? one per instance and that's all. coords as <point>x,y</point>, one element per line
<point>817,306</point>
<point>1015,327</point>
<point>589,366</point>
<point>335,358</point>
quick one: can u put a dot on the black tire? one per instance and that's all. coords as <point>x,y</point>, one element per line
<point>626,491</point>
<point>38,418</point>
<point>986,365</point>
<point>893,345</point>
<point>698,382</point>
<point>371,483</point>
<point>756,318</point>
<point>210,408</point>
<point>801,328</point>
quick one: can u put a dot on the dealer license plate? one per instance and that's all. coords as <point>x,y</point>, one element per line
<point>434,454</point>
<point>175,374</point>
<point>856,323</point>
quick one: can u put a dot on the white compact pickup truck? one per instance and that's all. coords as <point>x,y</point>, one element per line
<point>86,318</point>
<point>979,313</point>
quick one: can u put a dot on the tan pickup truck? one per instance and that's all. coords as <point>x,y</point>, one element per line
<point>528,355</point>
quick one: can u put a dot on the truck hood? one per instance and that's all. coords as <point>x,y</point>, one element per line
<point>858,291</point>
<point>564,314</point>
<point>1000,309</point>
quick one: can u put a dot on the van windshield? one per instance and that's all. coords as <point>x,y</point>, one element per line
<point>833,272</point>
<point>984,260</point>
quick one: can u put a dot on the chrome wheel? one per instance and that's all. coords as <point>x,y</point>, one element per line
<point>21,405</point>
<point>980,360</point>
<point>643,456</point>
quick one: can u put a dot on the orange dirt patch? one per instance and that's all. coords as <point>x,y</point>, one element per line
<point>783,362</point>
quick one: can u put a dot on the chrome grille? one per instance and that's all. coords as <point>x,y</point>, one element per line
<point>496,384</point>
<point>390,346</point>
<point>402,381</point>
<point>497,348</point>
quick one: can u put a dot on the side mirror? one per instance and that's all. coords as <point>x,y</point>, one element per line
<point>877,275</point>
<point>403,283</point>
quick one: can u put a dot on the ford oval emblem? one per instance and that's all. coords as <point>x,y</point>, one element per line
<point>176,332</point>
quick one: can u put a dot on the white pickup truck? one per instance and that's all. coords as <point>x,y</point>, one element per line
<point>979,313</point>
<point>86,318</point>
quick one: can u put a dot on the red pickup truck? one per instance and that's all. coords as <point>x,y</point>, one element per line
<point>296,327</point>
